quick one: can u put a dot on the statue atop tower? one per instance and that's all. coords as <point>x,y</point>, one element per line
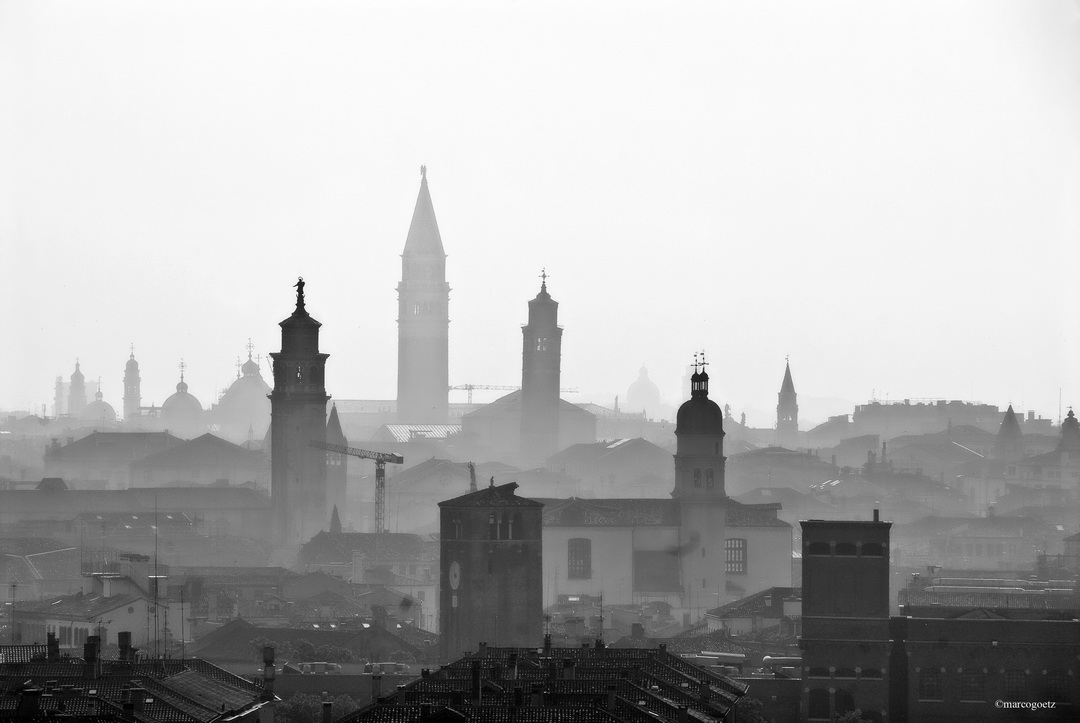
<point>423,319</point>
<point>298,417</point>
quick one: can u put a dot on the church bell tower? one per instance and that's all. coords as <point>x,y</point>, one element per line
<point>423,319</point>
<point>787,413</point>
<point>132,388</point>
<point>297,418</point>
<point>541,358</point>
<point>699,495</point>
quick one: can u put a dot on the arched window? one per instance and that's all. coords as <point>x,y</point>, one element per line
<point>972,686</point>
<point>493,528</point>
<point>515,527</point>
<point>818,548</point>
<point>709,481</point>
<point>735,556</point>
<point>873,549</point>
<point>819,703</point>
<point>845,548</point>
<point>930,684</point>
<point>504,526</point>
<point>697,477</point>
<point>579,558</point>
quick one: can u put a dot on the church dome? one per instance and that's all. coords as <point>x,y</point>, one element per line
<point>98,410</point>
<point>244,406</point>
<point>182,410</point>
<point>77,376</point>
<point>643,394</point>
<point>699,414</point>
<point>132,365</point>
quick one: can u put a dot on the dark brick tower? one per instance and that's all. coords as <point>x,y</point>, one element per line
<point>298,417</point>
<point>699,492</point>
<point>491,571</point>
<point>787,413</point>
<point>541,358</point>
<point>846,618</point>
<point>423,319</point>
<point>132,388</point>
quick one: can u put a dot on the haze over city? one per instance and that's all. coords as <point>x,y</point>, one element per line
<point>887,194</point>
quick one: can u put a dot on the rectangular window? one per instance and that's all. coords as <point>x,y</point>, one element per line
<point>930,684</point>
<point>735,556</point>
<point>972,686</point>
<point>579,558</point>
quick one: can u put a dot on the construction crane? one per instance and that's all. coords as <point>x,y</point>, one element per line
<point>469,388</point>
<point>380,459</point>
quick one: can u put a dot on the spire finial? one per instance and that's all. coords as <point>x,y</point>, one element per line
<point>543,279</point>
<point>703,362</point>
<point>299,286</point>
<point>183,366</point>
<point>696,368</point>
<point>238,366</point>
<point>423,174</point>
<point>250,347</point>
<point>133,351</point>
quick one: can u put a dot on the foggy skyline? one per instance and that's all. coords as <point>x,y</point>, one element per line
<point>889,194</point>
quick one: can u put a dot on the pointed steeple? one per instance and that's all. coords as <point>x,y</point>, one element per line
<point>424,237</point>
<point>788,386</point>
<point>1009,445</point>
<point>334,435</point>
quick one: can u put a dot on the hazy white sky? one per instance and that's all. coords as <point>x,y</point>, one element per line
<point>888,192</point>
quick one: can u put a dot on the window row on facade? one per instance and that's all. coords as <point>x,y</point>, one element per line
<point>1014,685</point>
<point>579,557</point>
<point>846,549</point>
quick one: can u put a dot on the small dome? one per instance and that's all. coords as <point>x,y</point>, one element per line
<point>182,404</point>
<point>77,376</point>
<point>132,365</point>
<point>699,414</point>
<point>643,394</point>
<point>249,368</point>
<point>98,410</point>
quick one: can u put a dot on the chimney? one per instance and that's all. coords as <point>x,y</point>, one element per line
<point>496,671</point>
<point>876,516</point>
<point>474,688</point>
<point>376,686</point>
<point>684,714</point>
<point>547,643</point>
<point>91,664</point>
<point>663,648</point>
<point>610,704</point>
<point>599,644</point>
<point>512,666</point>
<point>483,650</point>
<point>425,711</point>
<point>536,698</point>
<point>425,672</point>
<point>123,640</point>
<point>568,669</point>
<point>327,710</point>
<point>703,689</point>
<point>129,711</point>
<point>29,703</point>
<point>138,699</point>
<point>269,673</point>
<point>53,647</point>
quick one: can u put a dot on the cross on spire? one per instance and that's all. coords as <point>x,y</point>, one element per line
<point>183,366</point>
<point>703,362</point>
<point>133,351</point>
<point>250,347</point>
<point>543,278</point>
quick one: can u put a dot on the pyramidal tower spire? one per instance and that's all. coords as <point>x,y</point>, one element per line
<point>423,319</point>
<point>787,412</point>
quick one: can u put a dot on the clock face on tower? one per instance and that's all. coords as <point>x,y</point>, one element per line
<point>455,575</point>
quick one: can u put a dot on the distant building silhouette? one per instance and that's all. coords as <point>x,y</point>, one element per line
<point>243,412</point>
<point>98,412</point>
<point>336,468</point>
<point>132,388</point>
<point>540,372</point>
<point>298,412</point>
<point>423,320</point>
<point>491,580</point>
<point>182,413</point>
<point>77,392</point>
<point>1009,445</point>
<point>643,395</point>
<point>787,413</point>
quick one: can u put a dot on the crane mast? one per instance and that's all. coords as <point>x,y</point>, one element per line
<point>380,459</point>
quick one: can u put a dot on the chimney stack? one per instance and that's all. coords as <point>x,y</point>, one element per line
<point>327,710</point>
<point>474,689</point>
<point>483,650</point>
<point>123,640</point>
<point>547,643</point>
<point>53,646</point>
<point>568,669</point>
<point>29,703</point>
<point>876,516</point>
<point>536,698</point>
<point>376,686</point>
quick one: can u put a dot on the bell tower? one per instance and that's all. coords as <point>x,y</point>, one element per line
<point>423,319</point>
<point>297,418</point>
<point>541,358</point>
<point>699,495</point>
<point>787,413</point>
<point>132,388</point>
